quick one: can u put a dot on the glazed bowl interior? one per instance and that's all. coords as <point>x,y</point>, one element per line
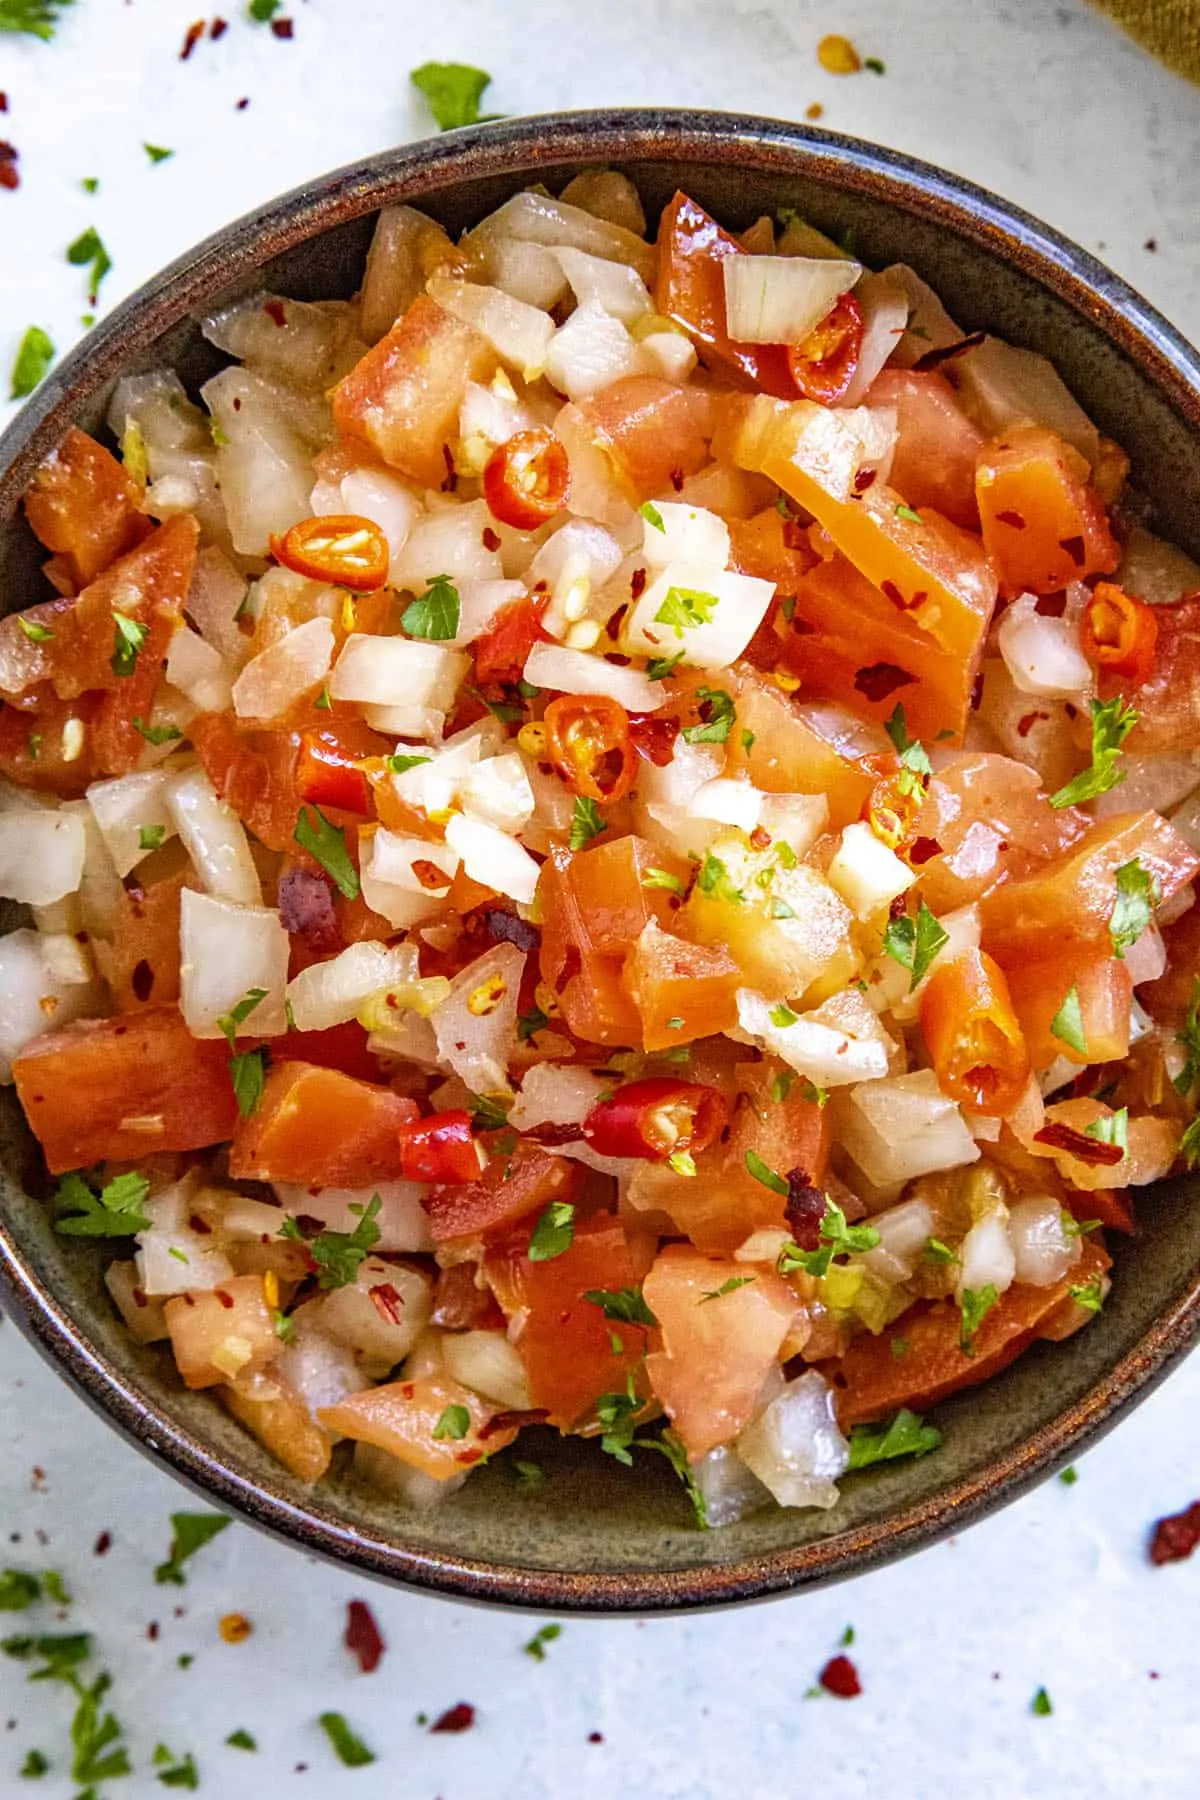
<point>597,1535</point>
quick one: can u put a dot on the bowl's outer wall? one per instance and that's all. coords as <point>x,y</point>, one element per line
<point>596,1535</point>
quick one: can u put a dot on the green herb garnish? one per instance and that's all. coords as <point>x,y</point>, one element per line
<point>190,1532</point>
<point>1139,892</point>
<point>718,719</point>
<point>1067,1023</point>
<point>348,1747</point>
<point>129,637</point>
<point>1112,721</point>
<point>914,943</point>
<point>587,822</point>
<point>115,1211</point>
<point>905,1435</point>
<point>453,92</point>
<point>454,1423</point>
<point>435,616</point>
<point>339,1254</point>
<point>553,1233</point>
<point>685,608</point>
<point>976,1303</point>
<point>326,843</point>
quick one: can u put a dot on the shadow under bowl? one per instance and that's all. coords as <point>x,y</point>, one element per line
<point>597,1536</point>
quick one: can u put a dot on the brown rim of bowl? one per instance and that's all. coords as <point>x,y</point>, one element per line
<point>519,148</point>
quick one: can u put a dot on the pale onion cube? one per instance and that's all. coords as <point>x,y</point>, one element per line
<point>328,993</point>
<point>198,670</point>
<point>572,565</point>
<point>391,883</point>
<point>1044,1249</point>
<point>890,986</point>
<point>405,678</point>
<point>1042,654</point>
<point>828,1055</point>
<point>402,1221</point>
<point>580,672</point>
<point>488,1364</point>
<point>498,791</point>
<point>179,1262</point>
<point>794,1445</point>
<point>33,998</point>
<point>729,1490</point>
<point>433,783</point>
<point>729,802</point>
<point>778,299</point>
<point>668,354</point>
<point>614,287</point>
<point>453,541</point>
<point>383,498</point>
<point>476,1024</point>
<point>492,858</point>
<point>672,532</point>
<point>866,873</point>
<point>590,352</point>
<point>491,415</point>
<point>556,1094</point>
<point>709,615</point>
<point>986,1257</point>
<point>904,1231</point>
<point>478,604</point>
<point>379,1336</point>
<point>904,1126</point>
<point>214,838</point>
<point>272,682</point>
<point>226,952</point>
<point>127,809</point>
<point>527,271</point>
<point>41,855</point>
<point>795,819</point>
<point>519,334</point>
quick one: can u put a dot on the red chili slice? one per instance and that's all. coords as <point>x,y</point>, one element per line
<point>441,1148</point>
<point>588,741</point>
<point>656,1118</point>
<point>825,363</point>
<point>1057,1136</point>
<point>525,482</point>
<point>341,547</point>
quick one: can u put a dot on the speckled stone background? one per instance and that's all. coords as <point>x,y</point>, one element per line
<point>1053,107</point>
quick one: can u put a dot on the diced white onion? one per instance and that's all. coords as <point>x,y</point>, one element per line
<point>349,1315</point>
<point>225,951</point>
<point>827,1055</point>
<point>33,999</point>
<point>778,299</point>
<point>538,219</point>
<point>574,564</point>
<point>198,669</point>
<point>328,993</point>
<point>476,1024</point>
<point>556,1094</point>
<point>1042,654</point>
<point>890,983</point>
<point>730,1491</point>
<point>399,1481</point>
<point>321,1371</point>
<point>579,672</point>
<point>664,796</point>
<point>519,334</point>
<point>492,414</point>
<point>389,885</point>
<point>272,682</point>
<point>179,1261</point>
<point>498,792</point>
<point>67,961</point>
<point>903,1127</point>
<point>213,837</point>
<point>41,855</point>
<point>433,784</point>
<point>1157,572</point>
<point>688,534</point>
<point>142,1317</point>
<point>1001,385</point>
<point>214,601</point>
<point>527,271</point>
<point>590,352</point>
<point>613,286</point>
<point>794,1445</point>
<point>668,354</point>
<point>449,541</point>
<point>1146,957</point>
<point>729,802</point>
<point>402,1220</point>
<point>406,679</point>
<point>124,808</point>
<point>795,819</point>
<point>730,612</point>
<point>101,901</point>
<point>904,1231</point>
<point>1152,784</point>
<point>593,490</point>
<point>866,873</point>
<point>487,1363</point>
<point>986,1258</point>
<point>264,464</point>
<point>490,856</point>
<point>885,308</point>
<point>1043,1249</point>
<point>479,602</point>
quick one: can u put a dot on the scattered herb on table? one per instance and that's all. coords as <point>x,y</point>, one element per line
<point>35,353</point>
<point>536,1647</point>
<point>190,1532</point>
<point>453,92</point>
<point>347,1745</point>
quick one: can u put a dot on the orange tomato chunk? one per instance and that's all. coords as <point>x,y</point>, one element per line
<point>654,432</point>
<point>511,1186</point>
<point>218,1333</point>
<point>1043,526</point>
<point>401,1417</point>
<point>85,509</point>
<point>690,289</point>
<point>1105,992</point>
<point>682,991</point>
<point>322,1128</point>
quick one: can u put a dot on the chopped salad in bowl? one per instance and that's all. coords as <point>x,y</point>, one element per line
<point>610,832</point>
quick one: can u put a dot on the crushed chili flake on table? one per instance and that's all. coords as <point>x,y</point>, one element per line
<point>363,1637</point>
<point>1176,1536</point>
<point>840,1677</point>
<point>195,32</point>
<point>283,28</point>
<point>218,28</point>
<point>103,1544</point>
<point>8,165</point>
<point>455,1718</point>
<point>235,1628</point>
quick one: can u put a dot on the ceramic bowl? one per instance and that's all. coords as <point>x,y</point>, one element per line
<point>598,1536</point>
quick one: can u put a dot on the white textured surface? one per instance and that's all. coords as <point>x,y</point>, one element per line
<point>1050,106</point>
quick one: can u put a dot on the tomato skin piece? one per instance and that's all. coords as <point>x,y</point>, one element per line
<point>85,509</point>
<point>341,547</point>
<point>509,1188</point>
<point>442,1148</point>
<point>79,1087</point>
<point>936,446</point>
<point>321,1128</point>
<point>1105,994</point>
<point>525,480</point>
<point>972,1034</point>
<point>824,363</point>
<point>503,650</point>
<point>656,1118</point>
<point>327,775</point>
<point>584,734</point>
<point>690,289</point>
<point>871,1382</point>
<point>342,1047</point>
<point>1168,717</point>
<point>1118,635</point>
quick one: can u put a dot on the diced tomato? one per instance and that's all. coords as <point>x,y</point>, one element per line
<point>513,1185</point>
<point>1070,899</point>
<point>824,364</point>
<point>41,750</point>
<point>1168,717</point>
<point>503,650</point>
<point>85,509</point>
<point>775,549</point>
<point>461,1304</point>
<point>801,747</point>
<point>404,1418</point>
<point>1090,1162</point>
<point>564,1340</point>
<point>1043,526</point>
<point>936,444</point>
<point>871,1380</point>
<point>139,959</point>
<point>1118,634</point>
<point>441,1148</point>
<point>987,821</point>
<point>403,397</point>
<point>222,1332</point>
<point>716,1353</point>
<point>588,741</point>
<point>253,772</point>
<point>974,1039</point>
<point>654,432</point>
<point>122,1089</point>
<point>342,547</point>
<point>682,991</point>
<point>342,1047</point>
<point>328,775</point>
<point>655,1118</point>
<point>1169,999</point>
<point>690,289</point>
<point>282,1423</point>
<point>525,481</point>
<point>322,1128</point>
<point>1104,990</point>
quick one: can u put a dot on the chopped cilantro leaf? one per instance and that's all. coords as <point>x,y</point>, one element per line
<point>262,11</point>
<point>453,92</point>
<point>761,1172</point>
<point>553,1232</point>
<point>530,1023</point>
<point>536,1647</point>
<point>241,1739</point>
<point>529,1476</point>
<point>326,843</point>
<point>156,734</point>
<point>157,153</point>
<point>150,837</point>
<point>1112,721</point>
<point>652,516</point>
<point>1067,1023</point>
<point>717,715</point>
<point>1068,1476</point>
<point>1139,892</point>
<point>837,1238</point>
<point>129,636</point>
<point>816,1096</point>
<point>906,512</point>
<point>1111,1129</point>
<point>400,764</point>
<point>782,1085</point>
<point>616,1414</point>
<point>338,1255</point>
<point>727,1287</point>
<point>35,1765</point>
<point>348,1747</point>
<point>35,353</point>
<point>435,615</point>
<point>914,943</point>
<point>1041,1705</point>
<point>587,822</point>
<point>1189,1144</point>
<point>624,1305</point>
<point>905,1435</point>
<point>714,879</point>
<point>229,1022</point>
<point>490,1111</point>
<point>38,18</point>
<point>975,1305</point>
<point>247,1071</point>
<point>454,1423</point>
<point>659,667</point>
<point>1189,1038</point>
<point>1089,1295</point>
<point>783,1016</point>
<point>37,634</point>
<point>191,1531</point>
<point>115,1212</point>
<point>18,1590</point>
<point>176,1771</point>
<point>662,878</point>
<point>88,248</point>
<point>685,608</point>
<point>936,1252</point>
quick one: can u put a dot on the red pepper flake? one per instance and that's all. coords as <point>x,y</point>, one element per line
<point>513,1421</point>
<point>387,1302</point>
<point>283,28</point>
<point>1050,606</point>
<point>194,33</point>
<point>242,104</point>
<point>1026,725</point>
<point>933,359</point>
<point>1075,548</point>
<point>363,1637</point>
<point>430,876</point>
<point>677,479</point>
<point>491,539</point>
<point>637,583</point>
<point>275,312</point>
<point>103,1544</point>
<point>881,680</point>
<point>1013,519</point>
<point>1150,244</point>
<point>9,177</point>
<point>864,479</point>
<point>840,1677</point>
<point>1057,1136</point>
<point>1176,1536</point>
<point>653,737</point>
<point>804,1210</point>
<point>218,28</point>
<point>977,691</point>
<point>891,592</point>
<point>152,1631</point>
<point>595,1737</point>
<point>3,101</point>
<point>455,1718</point>
<point>225,1299</point>
<point>142,981</point>
<point>922,850</point>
